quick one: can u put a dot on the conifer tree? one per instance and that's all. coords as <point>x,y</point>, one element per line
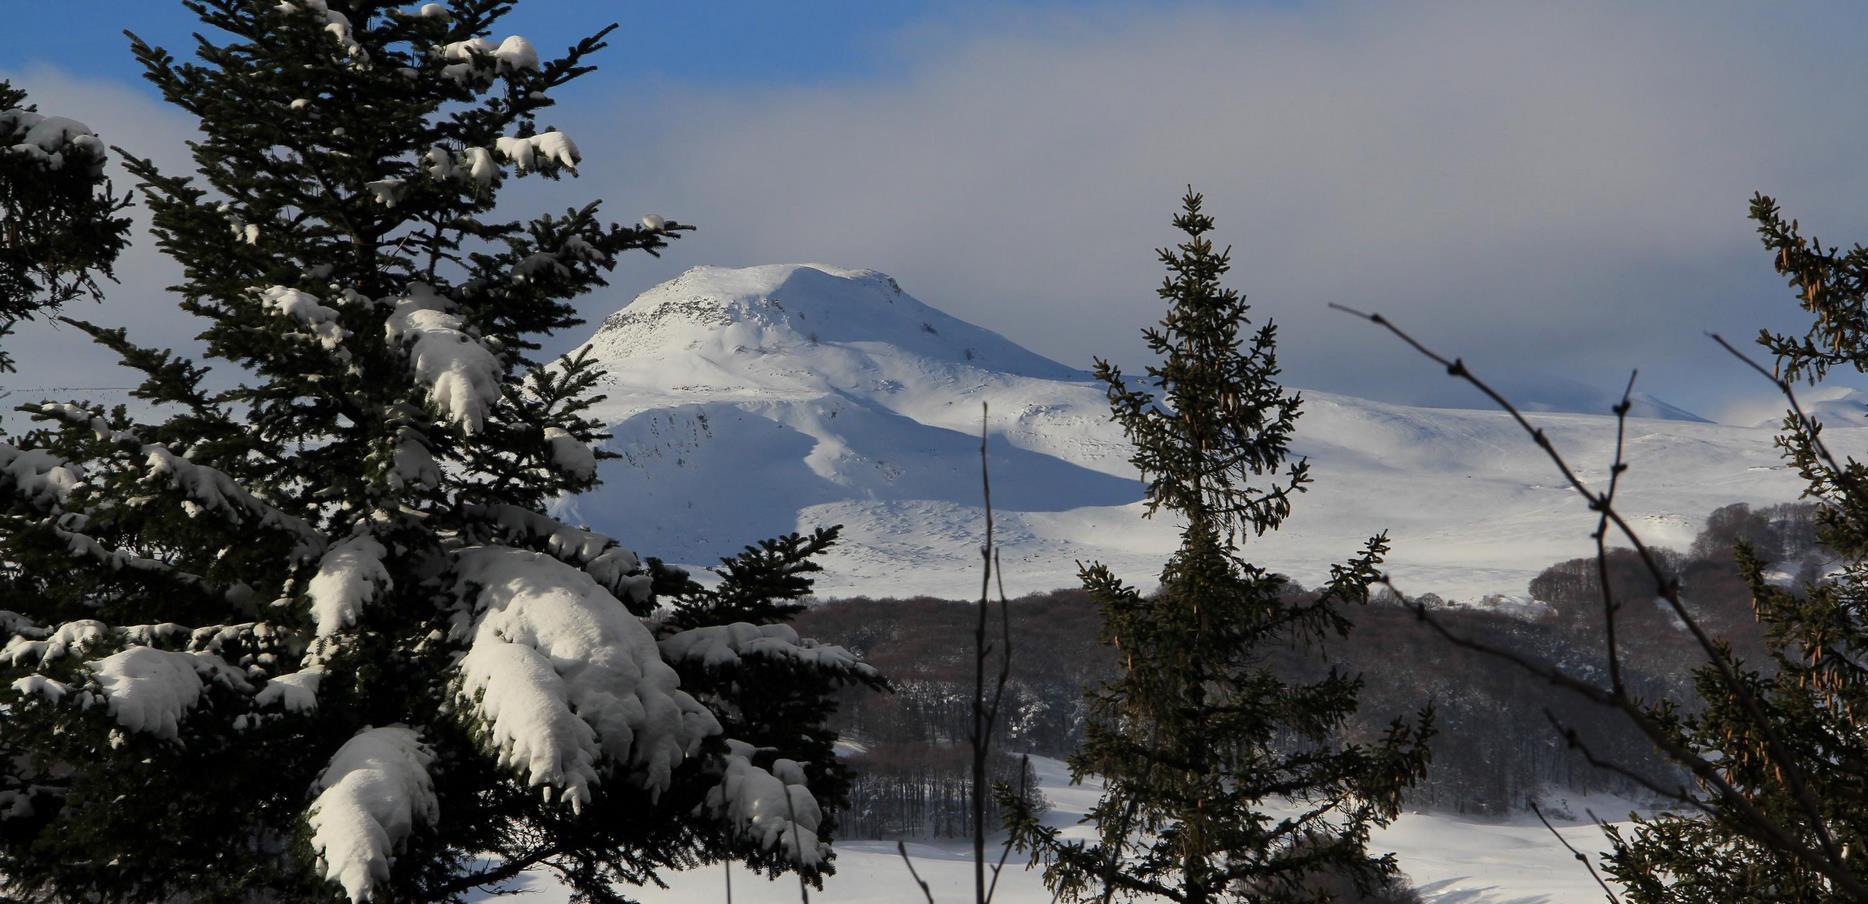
<point>1197,740</point>
<point>1779,810</point>
<point>312,634</point>
<point>59,223</point>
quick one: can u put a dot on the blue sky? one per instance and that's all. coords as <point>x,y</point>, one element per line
<point>1554,191</point>
<point>718,42</point>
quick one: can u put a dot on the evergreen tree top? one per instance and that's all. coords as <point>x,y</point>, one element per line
<point>1215,420</point>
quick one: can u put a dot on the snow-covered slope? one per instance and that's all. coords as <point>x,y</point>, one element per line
<point>1448,858</point>
<point>750,402</point>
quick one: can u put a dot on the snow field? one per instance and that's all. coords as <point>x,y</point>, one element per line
<point>1449,859</point>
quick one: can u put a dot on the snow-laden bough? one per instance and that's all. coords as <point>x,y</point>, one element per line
<point>462,376</point>
<point>370,798</point>
<point>566,685</point>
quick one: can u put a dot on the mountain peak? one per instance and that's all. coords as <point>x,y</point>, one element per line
<point>785,328</point>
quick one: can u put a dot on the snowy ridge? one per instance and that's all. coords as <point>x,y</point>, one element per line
<point>757,401</point>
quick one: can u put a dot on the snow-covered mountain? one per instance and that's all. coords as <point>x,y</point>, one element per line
<point>750,402</point>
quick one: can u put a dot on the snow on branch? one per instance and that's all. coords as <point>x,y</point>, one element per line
<point>479,59</point>
<point>461,374</point>
<point>40,647</point>
<point>350,575</point>
<point>50,141</point>
<point>722,647</point>
<point>614,567</point>
<point>38,476</point>
<point>772,807</point>
<point>309,311</point>
<point>206,489</point>
<point>336,24</point>
<point>570,455</point>
<point>370,798</point>
<point>545,151</point>
<point>214,491</point>
<point>79,543</point>
<point>150,690</point>
<point>565,683</point>
<point>296,692</point>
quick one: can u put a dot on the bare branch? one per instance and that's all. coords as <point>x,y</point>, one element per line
<point>1580,856</point>
<point>1829,861</point>
<point>902,849</point>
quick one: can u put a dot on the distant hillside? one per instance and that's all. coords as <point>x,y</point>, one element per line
<point>750,402</point>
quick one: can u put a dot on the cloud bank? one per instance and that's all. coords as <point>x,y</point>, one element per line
<point>1556,192</point>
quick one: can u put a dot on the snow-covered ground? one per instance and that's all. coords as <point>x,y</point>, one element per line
<point>749,402</point>
<point>1449,859</point>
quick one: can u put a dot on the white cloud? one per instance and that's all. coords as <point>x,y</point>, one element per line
<point>55,357</point>
<point>1551,190</point>
<point>1558,187</point>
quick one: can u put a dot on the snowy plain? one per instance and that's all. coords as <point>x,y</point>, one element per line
<point>1449,859</point>
<point>755,401</point>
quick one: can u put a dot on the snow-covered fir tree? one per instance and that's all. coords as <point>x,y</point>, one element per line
<point>312,634</point>
<point>1199,743</point>
<point>59,223</point>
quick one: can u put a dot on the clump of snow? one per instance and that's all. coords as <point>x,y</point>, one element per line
<point>412,464</point>
<point>774,808</point>
<point>38,476</point>
<point>440,162</point>
<point>149,690</point>
<point>722,647</point>
<point>308,310</point>
<point>479,166</point>
<point>336,24</point>
<point>570,455</point>
<point>41,686</point>
<point>479,59</point>
<point>50,141</point>
<point>461,374</point>
<point>516,53</point>
<point>566,684</point>
<point>350,576</point>
<point>654,223</point>
<point>71,637</point>
<point>387,192</point>
<point>433,11</point>
<point>544,151</point>
<point>370,798</point>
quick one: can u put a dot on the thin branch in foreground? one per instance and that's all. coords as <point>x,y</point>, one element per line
<point>901,848</point>
<point>1024,768</point>
<point>1830,860</point>
<point>1580,856</point>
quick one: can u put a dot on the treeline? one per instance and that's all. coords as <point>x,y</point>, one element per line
<point>1501,732</point>
<point>910,753</point>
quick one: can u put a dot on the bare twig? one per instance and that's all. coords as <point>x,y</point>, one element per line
<point>902,849</point>
<point>982,728</point>
<point>1829,860</point>
<point>1024,768</point>
<point>1580,856</point>
<point>1609,606</point>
